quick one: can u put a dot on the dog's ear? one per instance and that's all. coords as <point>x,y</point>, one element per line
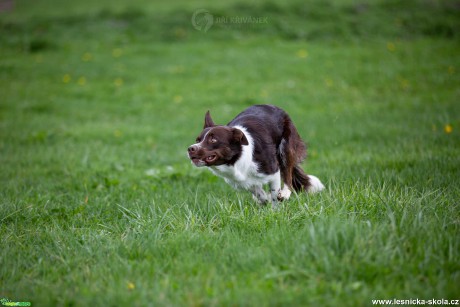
<point>239,137</point>
<point>208,121</point>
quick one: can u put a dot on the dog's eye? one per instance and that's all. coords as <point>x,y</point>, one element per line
<point>213,140</point>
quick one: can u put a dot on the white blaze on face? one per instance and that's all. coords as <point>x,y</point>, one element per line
<point>200,144</point>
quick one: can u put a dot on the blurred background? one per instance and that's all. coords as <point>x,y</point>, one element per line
<point>124,85</point>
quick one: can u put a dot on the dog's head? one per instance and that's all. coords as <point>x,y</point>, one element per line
<point>216,145</point>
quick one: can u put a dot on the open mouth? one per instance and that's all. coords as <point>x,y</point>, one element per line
<point>203,162</point>
<point>211,158</point>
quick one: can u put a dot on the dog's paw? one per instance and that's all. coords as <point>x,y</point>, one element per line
<point>284,194</point>
<point>260,198</point>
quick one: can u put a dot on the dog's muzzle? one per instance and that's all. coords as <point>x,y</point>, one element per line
<point>199,157</point>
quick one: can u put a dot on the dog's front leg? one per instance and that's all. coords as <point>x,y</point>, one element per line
<point>259,195</point>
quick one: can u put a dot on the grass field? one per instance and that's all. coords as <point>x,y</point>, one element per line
<point>100,206</point>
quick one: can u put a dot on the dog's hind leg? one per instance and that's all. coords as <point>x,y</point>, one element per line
<point>284,193</point>
<point>277,193</point>
<point>275,187</point>
<point>291,152</point>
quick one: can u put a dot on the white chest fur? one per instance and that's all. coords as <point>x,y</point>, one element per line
<point>245,172</point>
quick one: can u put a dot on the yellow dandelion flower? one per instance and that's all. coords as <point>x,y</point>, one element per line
<point>180,32</point>
<point>448,128</point>
<point>81,81</point>
<point>391,47</point>
<point>131,286</point>
<point>329,82</point>
<point>118,82</point>
<point>66,78</point>
<point>302,53</point>
<point>404,84</point>
<point>117,52</point>
<point>451,70</point>
<point>178,99</point>
<point>87,57</point>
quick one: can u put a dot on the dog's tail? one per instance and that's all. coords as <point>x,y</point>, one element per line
<point>300,180</point>
<point>303,182</point>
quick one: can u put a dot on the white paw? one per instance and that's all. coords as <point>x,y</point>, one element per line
<point>316,185</point>
<point>284,194</point>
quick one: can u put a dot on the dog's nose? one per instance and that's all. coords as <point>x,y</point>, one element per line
<point>192,149</point>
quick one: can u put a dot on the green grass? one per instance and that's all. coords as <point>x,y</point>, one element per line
<point>99,204</point>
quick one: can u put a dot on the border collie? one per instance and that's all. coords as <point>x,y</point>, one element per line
<point>259,146</point>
